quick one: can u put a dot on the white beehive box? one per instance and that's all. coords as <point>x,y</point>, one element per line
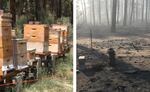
<point>39,46</point>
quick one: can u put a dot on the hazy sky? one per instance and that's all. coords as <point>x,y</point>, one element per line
<point>89,12</point>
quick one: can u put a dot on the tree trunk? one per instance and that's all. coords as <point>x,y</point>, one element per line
<point>118,6</point>
<point>137,12</point>
<point>107,13</point>
<point>99,11</point>
<point>71,18</point>
<point>132,12</point>
<point>1,5</point>
<point>91,38</point>
<point>113,24</point>
<point>52,8</point>
<point>42,10</point>
<point>91,16</point>
<point>37,10</point>
<point>146,13</point>
<point>59,7</point>
<point>32,10</point>
<point>83,13</point>
<point>125,12</point>
<point>13,11</point>
<point>45,4</point>
<point>93,12</point>
<point>85,10</point>
<point>143,4</point>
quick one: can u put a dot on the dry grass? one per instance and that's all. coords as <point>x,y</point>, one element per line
<point>62,81</point>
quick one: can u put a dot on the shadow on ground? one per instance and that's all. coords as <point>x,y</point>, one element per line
<point>128,78</point>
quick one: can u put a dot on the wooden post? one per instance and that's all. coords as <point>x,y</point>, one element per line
<point>19,83</point>
<point>91,39</point>
<point>15,62</point>
<point>37,67</point>
<point>53,64</point>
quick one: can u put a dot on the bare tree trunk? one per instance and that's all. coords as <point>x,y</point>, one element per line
<point>114,11</point>
<point>146,13</point>
<point>91,19</point>
<point>37,9</point>
<point>85,10</point>
<point>59,3</point>
<point>125,12</point>
<point>93,12</point>
<point>45,4</point>
<point>118,6</point>
<point>13,11</point>
<point>52,6</point>
<point>107,14</point>
<point>132,12</point>
<point>143,4</point>
<point>135,11</point>
<point>99,11</point>
<point>32,9</point>
<point>1,5</point>
<point>41,10</point>
<point>71,18</point>
<point>91,38</point>
<point>83,13</point>
<point>137,16</point>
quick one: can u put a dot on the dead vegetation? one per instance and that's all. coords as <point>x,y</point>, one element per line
<point>130,73</point>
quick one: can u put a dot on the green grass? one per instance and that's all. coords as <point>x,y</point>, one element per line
<point>62,81</point>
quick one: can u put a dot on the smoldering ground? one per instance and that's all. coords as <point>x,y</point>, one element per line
<point>129,38</point>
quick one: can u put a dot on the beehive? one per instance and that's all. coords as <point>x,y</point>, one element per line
<point>54,37</point>
<point>64,29</point>
<point>5,41</point>
<point>22,60</point>
<point>20,53</point>
<point>39,46</point>
<point>21,46</point>
<point>61,32</point>
<point>37,36</point>
<point>55,42</point>
<point>36,33</point>
<point>6,50</point>
<point>5,23</point>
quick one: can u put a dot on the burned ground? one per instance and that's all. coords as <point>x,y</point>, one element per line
<point>131,72</point>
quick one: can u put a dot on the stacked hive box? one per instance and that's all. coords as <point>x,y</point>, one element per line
<point>37,36</point>
<point>13,33</point>
<point>64,29</point>
<point>6,61</point>
<point>55,44</point>
<point>20,53</point>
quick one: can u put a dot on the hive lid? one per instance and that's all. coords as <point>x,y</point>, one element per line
<point>20,40</point>
<point>5,15</point>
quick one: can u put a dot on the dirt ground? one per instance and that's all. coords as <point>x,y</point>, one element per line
<point>131,72</point>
